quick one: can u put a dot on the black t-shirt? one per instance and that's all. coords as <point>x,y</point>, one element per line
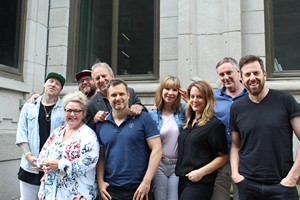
<point>44,123</point>
<point>266,151</point>
<point>199,146</point>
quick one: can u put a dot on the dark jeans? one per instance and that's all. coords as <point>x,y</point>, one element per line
<point>194,191</point>
<point>119,193</point>
<point>252,190</point>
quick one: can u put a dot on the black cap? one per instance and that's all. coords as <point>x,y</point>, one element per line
<point>83,73</point>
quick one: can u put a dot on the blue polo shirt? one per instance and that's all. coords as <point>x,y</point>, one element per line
<point>222,109</point>
<point>126,149</point>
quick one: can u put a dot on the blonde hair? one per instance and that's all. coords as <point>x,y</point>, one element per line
<point>208,112</point>
<point>172,83</point>
<point>77,97</point>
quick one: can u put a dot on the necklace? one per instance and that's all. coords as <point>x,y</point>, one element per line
<point>47,114</point>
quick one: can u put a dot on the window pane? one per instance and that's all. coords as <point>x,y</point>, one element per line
<point>135,37</point>
<point>286,17</point>
<point>10,22</point>
<point>119,32</point>
<point>94,33</point>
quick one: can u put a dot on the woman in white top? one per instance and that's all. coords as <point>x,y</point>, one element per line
<point>70,155</point>
<point>169,116</point>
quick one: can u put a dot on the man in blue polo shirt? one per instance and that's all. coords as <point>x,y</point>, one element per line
<point>130,149</point>
<point>232,89</point>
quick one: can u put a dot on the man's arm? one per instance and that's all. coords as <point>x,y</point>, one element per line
<point>95,113</point>
<point>235,158</point>
<point>89,119</point>
<point>291,179</point>
<point>135,104</point>
<point>154,159</point>
<point>102,185</point>
<point>33,97</point>
<point>24,146</point>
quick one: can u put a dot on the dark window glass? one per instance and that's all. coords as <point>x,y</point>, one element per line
<point>10,26</point>
<point>135,37</point>
<point>95,33</point>
<point>282,38</point>
<point>120,33</point>
<point>286,16</point>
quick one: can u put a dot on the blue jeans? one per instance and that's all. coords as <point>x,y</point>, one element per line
<point>253,190</point>
<point>165,182</point>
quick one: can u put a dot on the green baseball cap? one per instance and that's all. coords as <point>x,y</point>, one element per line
<point>58,76</point>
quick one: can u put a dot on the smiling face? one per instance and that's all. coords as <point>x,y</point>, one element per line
<point>197,100</point>
<point>87,85</point>
<point>253,78</point>
<point>229,75</point>
<point>73,114</point>
<point>169,95</point>
<point>101,77</point>
<point>52,87</point>
<point>118,97</point>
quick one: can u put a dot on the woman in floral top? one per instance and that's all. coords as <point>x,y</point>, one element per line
<point>70,155</point>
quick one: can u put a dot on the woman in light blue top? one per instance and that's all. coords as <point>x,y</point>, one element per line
<point>169,116</point>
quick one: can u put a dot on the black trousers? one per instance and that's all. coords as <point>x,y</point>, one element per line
<point>253,190</point>
<point>119,193</point>
<point>194,191</point>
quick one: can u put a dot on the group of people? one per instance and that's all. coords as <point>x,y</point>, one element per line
<point>194,144</point>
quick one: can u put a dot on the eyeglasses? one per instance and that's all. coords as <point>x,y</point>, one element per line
<point>75,111</point>
<point>85,79</point>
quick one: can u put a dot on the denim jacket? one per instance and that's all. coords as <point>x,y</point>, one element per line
<point>179,117</point>
<point>28,128</point>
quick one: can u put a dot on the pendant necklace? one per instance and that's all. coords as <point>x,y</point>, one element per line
<point>47,114</point>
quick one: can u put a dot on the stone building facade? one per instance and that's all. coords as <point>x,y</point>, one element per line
<point>191,36</point>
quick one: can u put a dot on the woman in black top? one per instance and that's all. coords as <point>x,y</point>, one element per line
<point>202,147</point>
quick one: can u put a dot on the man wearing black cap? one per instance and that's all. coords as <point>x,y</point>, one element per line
<point>86,83</point>
<point>36,121</point>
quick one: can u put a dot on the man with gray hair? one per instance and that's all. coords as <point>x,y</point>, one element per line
<point>232,89</point>
<point>99,107</point>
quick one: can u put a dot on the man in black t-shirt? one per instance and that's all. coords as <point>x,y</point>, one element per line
<point>262,126</point>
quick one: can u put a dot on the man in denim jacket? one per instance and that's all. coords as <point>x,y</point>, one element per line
<point>36,122</point>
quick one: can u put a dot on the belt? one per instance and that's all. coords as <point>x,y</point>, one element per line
<point>169,161</point>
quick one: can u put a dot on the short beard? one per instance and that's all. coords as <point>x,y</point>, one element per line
<point>91,92</point>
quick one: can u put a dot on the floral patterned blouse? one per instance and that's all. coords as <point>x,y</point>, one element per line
<point>78,156</point>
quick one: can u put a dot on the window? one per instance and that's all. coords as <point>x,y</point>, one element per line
<point>12,15</point>
<point>123,33</point>
<point>283,37</point>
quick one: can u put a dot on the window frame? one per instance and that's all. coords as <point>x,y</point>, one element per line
<point>16,73</point>
<point>74,36</point>
<point>269,38</point>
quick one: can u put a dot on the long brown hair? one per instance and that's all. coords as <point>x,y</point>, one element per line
<point>172,83</point>
<point>208,112</point>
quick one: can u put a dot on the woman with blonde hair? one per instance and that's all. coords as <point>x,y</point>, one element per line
<point>202,147</point>
<point>169,116</point>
